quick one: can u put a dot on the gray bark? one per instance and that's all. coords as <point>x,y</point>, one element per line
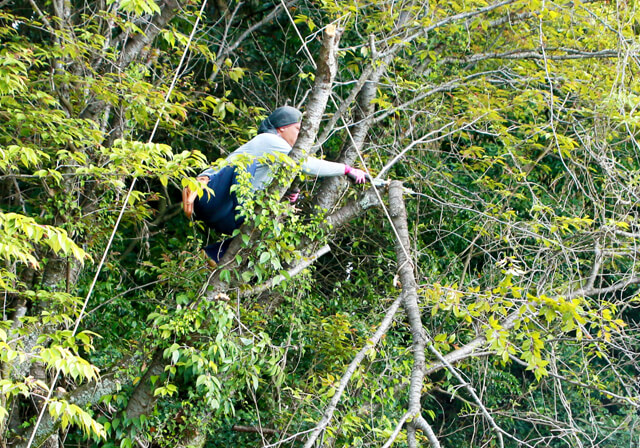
<point>332,187</point>
<point>398,214</point>
<point>135,45</point>
<point>142,400</point>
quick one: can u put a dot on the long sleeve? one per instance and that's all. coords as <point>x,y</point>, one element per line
<point>322,168</point>
<point>267,143</point>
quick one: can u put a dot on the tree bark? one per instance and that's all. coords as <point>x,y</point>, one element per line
<point>86,394</point>
<point>323,85</point>
<point>142,401</point>
<point>398,214</point>
<point>134,46</point>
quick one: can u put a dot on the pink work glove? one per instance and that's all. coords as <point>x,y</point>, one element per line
<point>293,196</point>
<point>357,175</point>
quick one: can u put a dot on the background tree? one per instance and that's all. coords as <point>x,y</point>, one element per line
<point>508,236</point>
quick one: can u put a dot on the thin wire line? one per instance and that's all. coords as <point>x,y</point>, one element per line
<point>304,43</point>
<point>375,189</point>
<point>366,169</point>
<point>117,224</point>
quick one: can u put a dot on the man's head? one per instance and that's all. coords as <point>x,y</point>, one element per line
<point>284,121</point>
<point>289,132</point>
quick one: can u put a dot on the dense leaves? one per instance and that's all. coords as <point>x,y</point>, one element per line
<point>513,128</point>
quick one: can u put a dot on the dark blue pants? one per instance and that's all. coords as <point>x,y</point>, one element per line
<point>219,211</point>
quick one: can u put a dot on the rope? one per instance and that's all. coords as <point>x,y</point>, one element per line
<point>304,43</point>
<point>117,224</point>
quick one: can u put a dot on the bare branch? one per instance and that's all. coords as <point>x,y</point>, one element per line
<point>532,54</point>
<point>226,50</point>
<point>262,431</point>
<point>305,263</point>
<point>471,391</point>
<point>135,45</point>
<point>82,396</point>
<point>353,208</point>
<point>346,377</point>
<point>396,431</point>
<point>457,17</point>
<point>597,291</point>
<point>445,87</point>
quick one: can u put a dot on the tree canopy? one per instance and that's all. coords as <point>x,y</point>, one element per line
<point>481,291</point>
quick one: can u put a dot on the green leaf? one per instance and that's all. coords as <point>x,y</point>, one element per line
<point>264,257</point>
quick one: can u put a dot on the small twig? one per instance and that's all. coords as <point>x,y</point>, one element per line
<point>42,16</point>
<point>19,195</point>
<point>396,431</point>
<point>469,389</point>
<point>231,48</point>
<point>597,264</point>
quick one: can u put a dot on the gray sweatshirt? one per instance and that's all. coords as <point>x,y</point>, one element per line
<point>267,143</point>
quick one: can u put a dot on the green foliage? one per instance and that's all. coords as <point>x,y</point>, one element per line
<point>19,236</point>
<point>209,364</point>
<point>281,231</point>
<point>138,7</point>
<point>72,414</point>
<point>521,168</point>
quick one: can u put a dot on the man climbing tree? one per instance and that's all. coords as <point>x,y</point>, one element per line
<point>277,134</point>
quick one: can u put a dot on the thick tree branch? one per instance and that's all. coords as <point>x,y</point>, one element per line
<point>362,113</point>
<point>305,263</point>
<point>325,74</point>
<point>353,208</point>
<point>142,400</point>
<point>569,54</point>
<point>454,18</point>
<point>398,214</point>
<point>87,394</point>
<point>135,45</point>
<point>331,188</point>
<point>363,80</point>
